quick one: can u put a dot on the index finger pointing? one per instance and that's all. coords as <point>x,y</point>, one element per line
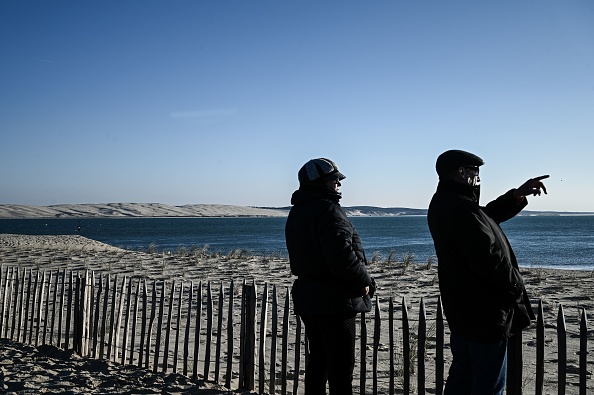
<point>541,177</point>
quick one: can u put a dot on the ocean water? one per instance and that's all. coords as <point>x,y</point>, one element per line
<point>539,241</point>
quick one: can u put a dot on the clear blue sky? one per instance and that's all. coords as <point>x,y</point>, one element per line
<point>184,102</point>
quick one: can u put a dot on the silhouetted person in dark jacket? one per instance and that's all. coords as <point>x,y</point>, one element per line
<point>482,290</point>
<point>332,283</point>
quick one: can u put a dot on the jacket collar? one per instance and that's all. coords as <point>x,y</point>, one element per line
<point>314,191</point>
<point>469,191</point>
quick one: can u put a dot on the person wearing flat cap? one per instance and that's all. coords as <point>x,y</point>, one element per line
<point>482,291</point>
<point>332,285</point>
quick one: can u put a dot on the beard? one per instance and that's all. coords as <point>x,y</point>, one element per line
<point>473,181</point>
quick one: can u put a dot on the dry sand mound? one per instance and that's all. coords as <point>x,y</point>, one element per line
<point>46,369</point>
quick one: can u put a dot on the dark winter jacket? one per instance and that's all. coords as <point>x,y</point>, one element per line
<point>480,284</point>
<point>326,255</point>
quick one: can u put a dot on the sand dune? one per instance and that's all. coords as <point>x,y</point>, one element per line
<point>134,210</point>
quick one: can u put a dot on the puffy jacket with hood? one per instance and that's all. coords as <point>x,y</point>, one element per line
<point>326,255</point>
<point>480,284</point>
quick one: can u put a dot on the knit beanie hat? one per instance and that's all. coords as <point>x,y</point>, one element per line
<point>320,169</point>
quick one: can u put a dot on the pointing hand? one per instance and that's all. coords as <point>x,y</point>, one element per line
<point>531,187</point>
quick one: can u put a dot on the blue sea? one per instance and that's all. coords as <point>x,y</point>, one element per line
<point>553,241</point>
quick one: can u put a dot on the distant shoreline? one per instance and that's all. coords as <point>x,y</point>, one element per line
<point>158,210</point>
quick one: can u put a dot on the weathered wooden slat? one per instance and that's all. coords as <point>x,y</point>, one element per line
<point>159,332</point>
<point>127,324</point>
<point>209,319</point>
<point>96,306</point>
<point>40,309</point>
<point>84,308</point>
<point>242,332</point>
<point>405,348</point>
<point>439,344</point>
<point>32,319</point>
<point>54,309</point>
<point>168,327</point>
<point>118,323</point>
<point>230,337</point>
<point>13,298</point>
<point>219,333</point>
<point>4,294</point>
<point>27,304</point>
<point>540,343</point>
<point>151,325</point>
<point>70,294</point>
<point>421,343</point>
<point>143,324</point>
<point>273,341</point>
<point>22,303</point>
<point>112,313</point>
<point>10,299</point>
<point>76,330</point>
<point>262,343</point>
<point>285,345</point>
<point>248,380</point>
<point>61,315</point>
<point>150,331</point>
<point>84,312</point>
<point>391,382</point>
<point>562,351</point>
<point>377,327</point>
<point>96,317</point>
<point>583,352</point>
<point>104,317</point>
<point>16,306</point>
<point>187,333</point>
<point>197,331</point>
<point>134,324</point>
<point>87,311</point>
<point>177,327</point>
<point>3,278</point>
<point>6,299</point>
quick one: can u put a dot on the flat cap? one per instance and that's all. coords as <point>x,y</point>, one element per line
<point>453,159</point>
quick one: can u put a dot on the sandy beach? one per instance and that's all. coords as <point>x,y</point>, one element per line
<point>47,369</point>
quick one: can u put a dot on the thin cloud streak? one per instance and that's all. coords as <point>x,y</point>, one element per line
<point>203,113</point>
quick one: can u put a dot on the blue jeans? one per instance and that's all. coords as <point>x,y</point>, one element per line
<point>477,368</point>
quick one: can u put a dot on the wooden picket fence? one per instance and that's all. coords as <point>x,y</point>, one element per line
<point>192,329</point>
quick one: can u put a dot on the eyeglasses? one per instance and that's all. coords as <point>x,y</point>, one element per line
<point>472,168</point>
